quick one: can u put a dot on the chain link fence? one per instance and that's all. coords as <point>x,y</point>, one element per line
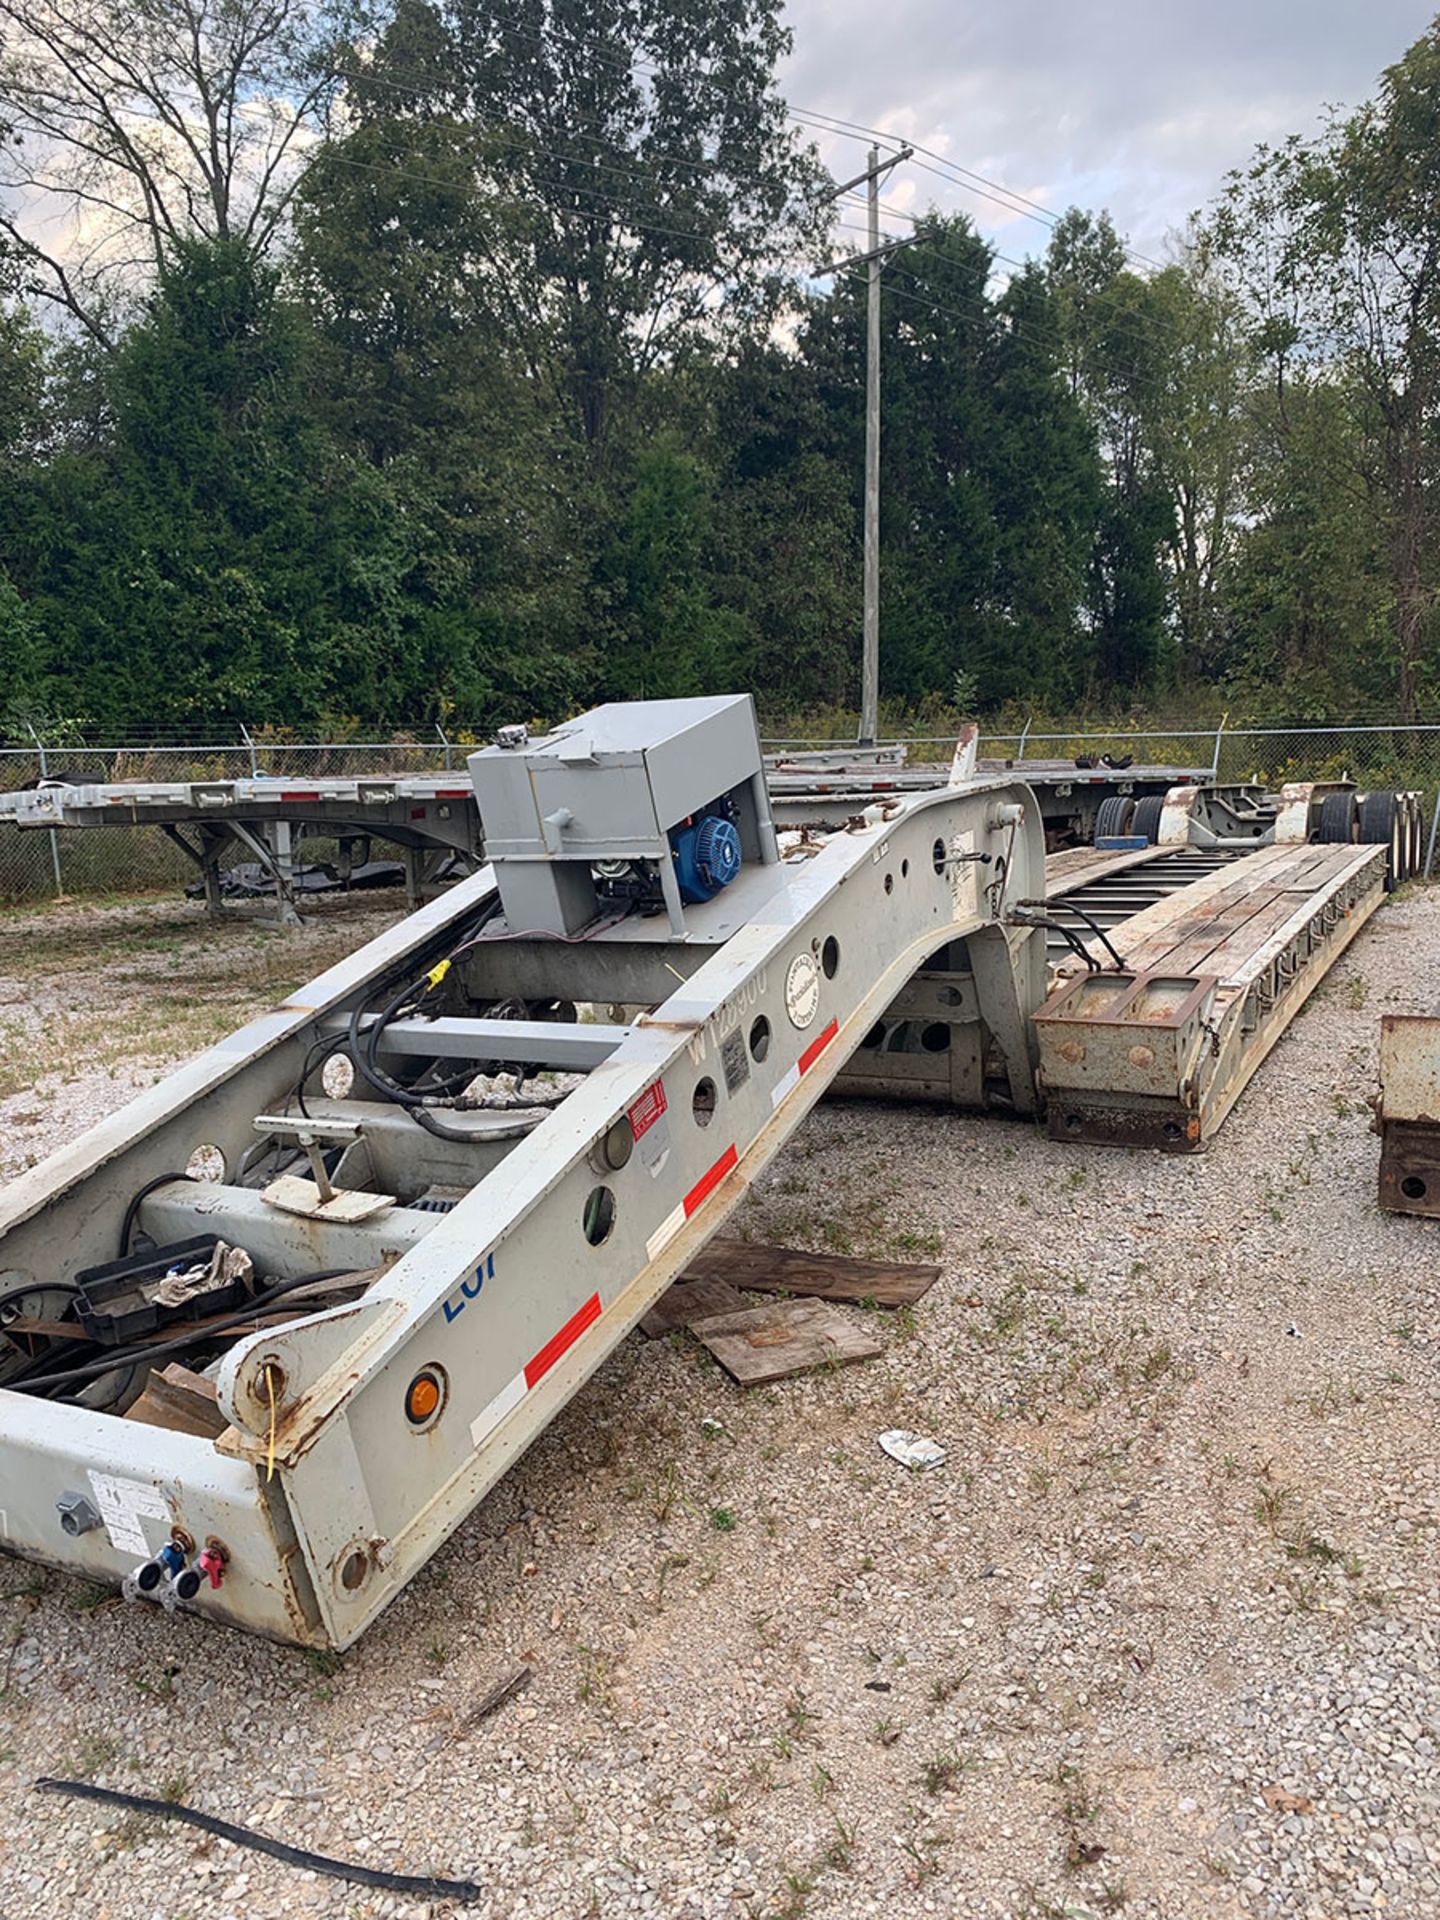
<point>36,864</point>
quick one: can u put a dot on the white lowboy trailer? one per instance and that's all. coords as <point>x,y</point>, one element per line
<point>636,868</point>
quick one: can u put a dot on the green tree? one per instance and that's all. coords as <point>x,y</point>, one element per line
<point>219,557</point>
<point>636,186</point>
<point>1335,244</point>
<point>989,482</point>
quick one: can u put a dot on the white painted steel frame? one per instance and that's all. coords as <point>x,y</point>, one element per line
<point>504,1296</point>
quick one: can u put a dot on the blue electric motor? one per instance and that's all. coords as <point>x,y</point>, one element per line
<point>707,857</point>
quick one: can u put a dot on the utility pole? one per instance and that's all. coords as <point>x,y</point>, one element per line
<point>870,640</point>
<point>870,646</point>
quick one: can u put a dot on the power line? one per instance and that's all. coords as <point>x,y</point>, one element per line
<point>951,170</point>
<point>1122,326</point>
<point>978,303</point>
<point>814,120</point>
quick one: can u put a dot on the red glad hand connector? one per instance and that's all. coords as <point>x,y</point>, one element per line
<point>212,1565</point>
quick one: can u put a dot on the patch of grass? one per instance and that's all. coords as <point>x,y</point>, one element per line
<point>722,1519</point>
<point>930,1242</point>
<point>666,1492</point>
<point>1079,1809</point>
<point>794,1896</point>
<point>87,1595</point>
<point>944,1772</point>
<point>840,1850</point>
<point>92,1755</point>
<point>594,1686</point>
<point>1270,1506</point>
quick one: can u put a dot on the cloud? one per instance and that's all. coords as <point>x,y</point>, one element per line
<point>1141,106</point>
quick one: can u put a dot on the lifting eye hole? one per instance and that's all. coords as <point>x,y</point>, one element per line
<point>759,1037</point>
<point>704,1101</point>
<point>599,1215</point>
<point>337,1077</point>
<point>937,854</point>
<point>206,1163</point>
<point>830,957</point>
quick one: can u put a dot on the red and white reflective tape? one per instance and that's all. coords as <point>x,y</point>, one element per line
<point>693,1201</point>
<point>534,1371</point>
<point>788,1082</point>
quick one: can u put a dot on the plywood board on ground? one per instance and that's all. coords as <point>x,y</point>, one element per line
<point>822,1276</point>
<point>761,1344</point>
<point>689,1300</point>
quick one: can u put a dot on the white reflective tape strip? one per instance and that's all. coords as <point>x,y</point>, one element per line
<point>665,1232</point>
<point>506,1401</point>
<point>785,1085</point>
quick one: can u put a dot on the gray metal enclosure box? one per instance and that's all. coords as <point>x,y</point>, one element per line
<point>608,786</point>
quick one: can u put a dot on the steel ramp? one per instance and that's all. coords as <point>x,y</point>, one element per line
<point>1156,1052</point>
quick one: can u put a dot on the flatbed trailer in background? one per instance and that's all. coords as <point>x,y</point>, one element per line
<point>433,820</point>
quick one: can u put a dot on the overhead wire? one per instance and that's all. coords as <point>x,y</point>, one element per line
<point>934,163</point>
<point>816,120</point>
<point>813,119</point>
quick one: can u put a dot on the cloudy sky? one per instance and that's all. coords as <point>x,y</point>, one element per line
<point>1136,105</point>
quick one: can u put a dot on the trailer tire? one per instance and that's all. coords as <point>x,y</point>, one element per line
<point>1147,817</point>
<point>1337,820</point>
<point>1382,824</point>
<point>1112,820</point>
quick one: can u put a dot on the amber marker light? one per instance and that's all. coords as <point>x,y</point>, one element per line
<point>423,1397</point>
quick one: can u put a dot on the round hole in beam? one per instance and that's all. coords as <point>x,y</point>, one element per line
<point>207,1163</point>
<point>599,1215</point>
<point>704,1101</point>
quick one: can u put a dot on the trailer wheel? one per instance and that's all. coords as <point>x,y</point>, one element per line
<point>1147,817</point>
<point>1112,820</point>
<point>1337,820</point>
<point>1382,824</point>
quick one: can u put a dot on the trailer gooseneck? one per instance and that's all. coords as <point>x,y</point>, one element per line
<point>436,1199</point>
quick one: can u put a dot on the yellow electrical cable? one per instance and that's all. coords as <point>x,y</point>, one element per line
<point>270,1450</point>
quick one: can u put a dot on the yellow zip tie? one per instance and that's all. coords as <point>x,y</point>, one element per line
<point>270,1450</point>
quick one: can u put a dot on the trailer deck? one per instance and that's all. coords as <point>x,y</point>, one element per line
<point>1157,1050</point>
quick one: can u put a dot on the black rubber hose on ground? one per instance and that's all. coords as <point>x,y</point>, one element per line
<point>425,1886</point>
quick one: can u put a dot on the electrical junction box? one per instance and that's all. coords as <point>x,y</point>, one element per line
<point>664,796</point>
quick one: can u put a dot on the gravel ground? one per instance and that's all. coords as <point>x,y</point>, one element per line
<point>1159,1639</point>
